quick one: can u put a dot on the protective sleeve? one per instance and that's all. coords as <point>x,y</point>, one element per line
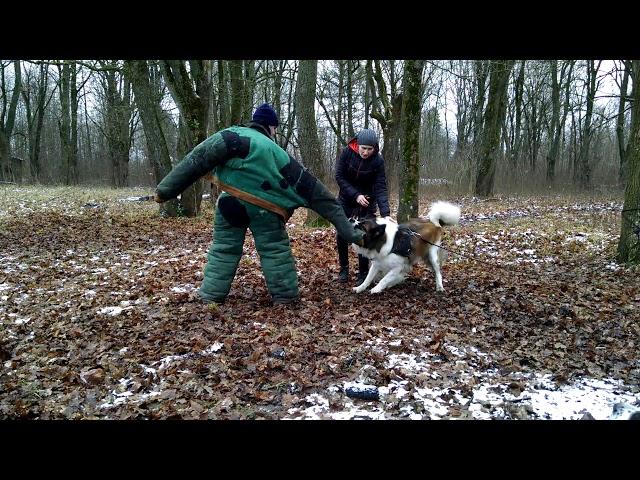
<point>200,161</point>
<point>326,205</point>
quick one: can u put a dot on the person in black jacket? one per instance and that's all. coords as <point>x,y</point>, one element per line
<point>363,184</point>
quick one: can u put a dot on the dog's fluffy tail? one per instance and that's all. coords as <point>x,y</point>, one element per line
<point>444,213</point>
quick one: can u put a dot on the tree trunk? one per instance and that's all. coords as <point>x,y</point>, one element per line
<point>554,130</point>
<point>620,124</point>
<point>392,135</point>
<point>237,91</point>
<point>341,64</point>
<point>492,121</point>
<point>463,114</point>
<point>224,114</point>
<point>277,87</point>
<point>367,95</point>
<point>532,125</point>
<point>412,103</point>
<point>517,143</point>
<point>6,126</point>
<point>629,244</point>
<point>584,166</point>
<point>73,138</point>
<point>118,118</point>
<point>481,70</point>
<point>190,90</point>
<point>35,118</point>
<point>65,123</point>
<point>147,99</point>
<point>388,114</point>
<point>89,149</point>
<point>288,125</point>
<point>350,72</point>
<point>307,130</point>
<point>248,88</point>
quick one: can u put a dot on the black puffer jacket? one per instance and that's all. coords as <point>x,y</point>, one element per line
<point>357,176</point>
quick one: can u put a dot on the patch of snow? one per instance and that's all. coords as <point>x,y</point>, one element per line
<point>534,396</point>
<point>113,311</point>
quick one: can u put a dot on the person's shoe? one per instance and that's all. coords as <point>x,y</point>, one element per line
<point>361,277</point>
<point>343,276</point>
<point>289,301</point>
<point>208,300</point>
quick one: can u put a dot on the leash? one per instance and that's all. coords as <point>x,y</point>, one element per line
<point>504,267</point>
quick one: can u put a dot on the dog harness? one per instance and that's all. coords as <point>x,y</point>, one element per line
<point>402,243</point>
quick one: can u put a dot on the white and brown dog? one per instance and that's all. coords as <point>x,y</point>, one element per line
<point>393,249</point>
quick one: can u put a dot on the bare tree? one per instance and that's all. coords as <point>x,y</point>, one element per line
<point>288,121</point>
<point>248,88</point>
<point>237,91</point>
<point>411,106</point>
<point>69,89</point>
<point>386,108</point>
<point>224,111</point>
<point>517,137</point>
<point>557,122</point>
<point>482,69</point>
<point>332,91</point>
<point>36,98</point>
<point>190,89</point>
<point>145,84</point>
<point>629,244</point>
<point>584,168</point>
<point>461,87</point>
<point>352,67</point>
<point>492,120</point>
<point>118,113</point>
<point>68,154</point>
<point>620,122</point>
<point>8,117</point>
<point>307,128</point>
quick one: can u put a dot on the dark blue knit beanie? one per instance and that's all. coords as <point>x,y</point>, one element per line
<point>266,115</point>
<point>367,137</point>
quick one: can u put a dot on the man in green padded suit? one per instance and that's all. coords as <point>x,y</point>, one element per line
<point>261,187</point>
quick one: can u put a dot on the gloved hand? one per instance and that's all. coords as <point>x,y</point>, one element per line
<point>157,198</point>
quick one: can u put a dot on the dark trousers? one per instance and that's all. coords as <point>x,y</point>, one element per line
<point>343,245</point>
<point>343,256</point>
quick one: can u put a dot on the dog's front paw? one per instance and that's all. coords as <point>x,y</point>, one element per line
<point>375,290</point>
<point>440,289</point>
<point>358,289</point>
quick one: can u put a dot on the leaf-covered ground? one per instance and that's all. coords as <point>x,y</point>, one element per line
<point>99,318</point>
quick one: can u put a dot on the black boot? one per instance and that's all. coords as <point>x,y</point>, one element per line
<point>343,276</point>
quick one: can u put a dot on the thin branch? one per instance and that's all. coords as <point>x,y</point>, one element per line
<point>333,127</point>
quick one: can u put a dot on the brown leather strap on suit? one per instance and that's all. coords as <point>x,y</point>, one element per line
<point>247,197</point>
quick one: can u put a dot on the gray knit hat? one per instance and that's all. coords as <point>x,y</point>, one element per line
<point>367,137</point>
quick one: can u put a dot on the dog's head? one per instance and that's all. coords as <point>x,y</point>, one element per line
<point>374,232</point>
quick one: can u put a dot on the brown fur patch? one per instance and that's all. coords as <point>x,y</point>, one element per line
<point>427,231</point>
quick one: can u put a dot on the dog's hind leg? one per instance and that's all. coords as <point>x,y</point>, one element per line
<point>373,271</point>
<point>394,277</point>
<point>435,265</point>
